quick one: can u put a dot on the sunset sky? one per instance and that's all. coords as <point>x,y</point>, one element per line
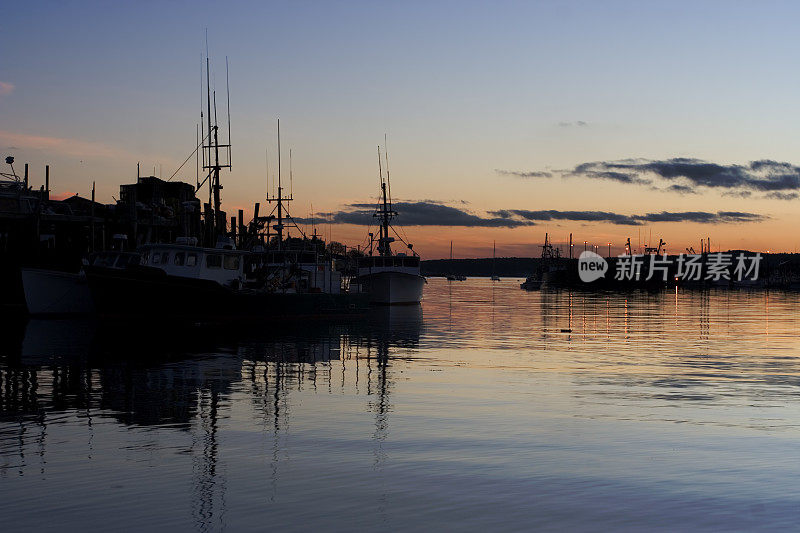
<point>505,120</point>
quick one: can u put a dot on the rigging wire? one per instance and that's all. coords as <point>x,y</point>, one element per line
<point>188,158</point>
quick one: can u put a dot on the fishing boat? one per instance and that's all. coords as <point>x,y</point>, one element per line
<point>218,280</point>
<point>551,271</point>
<point>56,292</point>
<point>390,278</point>
<point>40,233</point>
<point>184,281</point>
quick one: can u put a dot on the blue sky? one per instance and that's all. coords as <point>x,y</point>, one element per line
<point>462,89</point>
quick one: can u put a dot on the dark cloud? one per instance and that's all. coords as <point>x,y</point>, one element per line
<point>776,179</point>
<point>519,174</point>
<point>593,170</point>
<point>434,213</point>
<point>702,217</point>
<point>421,213</point>
<point>575,216</point>
<point>762,176</point>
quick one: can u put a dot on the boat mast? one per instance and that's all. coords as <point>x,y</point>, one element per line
<point>279,199</point>
<point>279,225</point>
<point>385,212</point>
<point>216,223</point>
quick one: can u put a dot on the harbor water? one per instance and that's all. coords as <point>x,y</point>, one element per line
<point>485,408</point>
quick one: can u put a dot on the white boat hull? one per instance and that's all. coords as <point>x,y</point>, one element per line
<point>390,288</point>
<point>49,292</point>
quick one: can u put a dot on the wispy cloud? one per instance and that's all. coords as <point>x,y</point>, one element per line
<point>578,123</point>
<point>6,88</point>
<point>681,189</point>
<point>61,146</point>
<point>737,194</point>
<point>775,195</point>
<point>525,175</point>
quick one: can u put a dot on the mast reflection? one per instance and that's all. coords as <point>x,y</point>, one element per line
<point>184,379</point>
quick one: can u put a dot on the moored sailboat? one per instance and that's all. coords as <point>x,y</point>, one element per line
<point>494,277</point>
<point>451,276</point>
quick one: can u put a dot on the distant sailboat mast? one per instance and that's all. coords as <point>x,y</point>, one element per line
<point>494,259</point>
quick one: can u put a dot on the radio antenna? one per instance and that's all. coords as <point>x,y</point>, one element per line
<point>202,126</point>
<point>380,167</point>
<point>228,92</point>
<point>313,227</point>
<point>386,156</point>
<point>197,157</point>
<point>279,157</point>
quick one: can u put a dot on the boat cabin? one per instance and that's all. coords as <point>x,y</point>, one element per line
<point>409,264</point>
<point>223,266</point>
<point>317,274</point>
<point>114,259</point>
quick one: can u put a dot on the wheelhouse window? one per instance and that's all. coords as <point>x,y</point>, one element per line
<point>180,258</point>
<point>213,261</point>
<point>231,262</point>
<point>123,260</point>
<point>104,260</point>
<point>191,260</point>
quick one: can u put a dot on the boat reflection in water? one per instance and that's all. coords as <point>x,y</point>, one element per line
<point>183,383</point>
<point>504,409</point>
